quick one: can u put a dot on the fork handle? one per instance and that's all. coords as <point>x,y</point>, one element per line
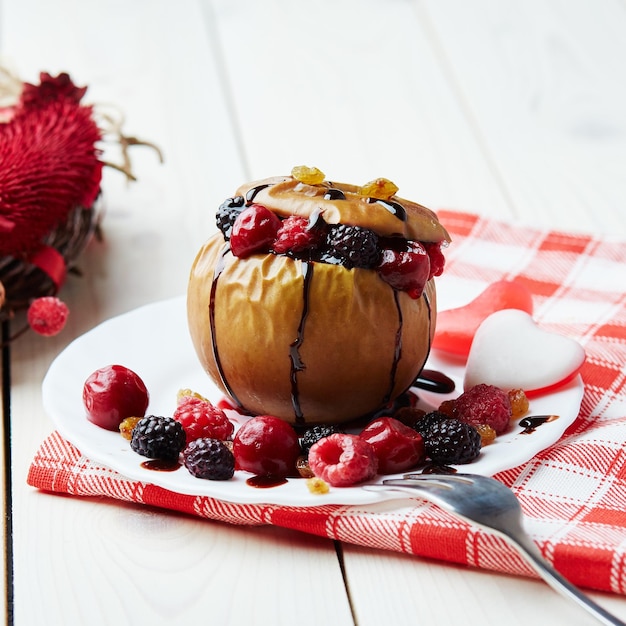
<point>530,551</point>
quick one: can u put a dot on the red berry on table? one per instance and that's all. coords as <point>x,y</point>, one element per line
<point>406,270</point>
<point>254,231</point>
<point>343,460</point>
<point>398,448</point>
<point>267,446</point>
<point>113,393</point>
<point>47,315</point>
<point>201,419</point>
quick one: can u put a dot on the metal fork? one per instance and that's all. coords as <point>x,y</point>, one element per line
<point>491,505</point>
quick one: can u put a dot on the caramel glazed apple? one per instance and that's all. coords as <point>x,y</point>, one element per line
<point>316,302</point>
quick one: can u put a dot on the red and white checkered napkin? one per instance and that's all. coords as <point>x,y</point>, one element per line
<point>573,494</point>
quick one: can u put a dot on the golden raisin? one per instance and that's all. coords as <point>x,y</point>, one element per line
<point>317,486</point>
<point>302,465</point>
<point>487,434</point>
<point>447,407</point>
<point>408,415</point>
<point>519,403</point>
<point>308,175</point>
<point>127,425</point>
<point>186,393</point>
<point>381,188</point>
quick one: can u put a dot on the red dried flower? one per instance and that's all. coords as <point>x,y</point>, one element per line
<point>51,89</point>
<point>48,161</point>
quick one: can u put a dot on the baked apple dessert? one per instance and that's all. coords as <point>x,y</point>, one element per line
<point>315,302</point>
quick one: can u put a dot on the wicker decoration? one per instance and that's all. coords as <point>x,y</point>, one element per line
<point>48,218</point>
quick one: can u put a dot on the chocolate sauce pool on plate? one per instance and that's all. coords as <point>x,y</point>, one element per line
<point>531,423</point>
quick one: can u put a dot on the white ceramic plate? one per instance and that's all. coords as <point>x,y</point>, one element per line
<point>154,342</point>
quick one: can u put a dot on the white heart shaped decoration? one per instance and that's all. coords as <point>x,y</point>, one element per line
<point>510,351</point>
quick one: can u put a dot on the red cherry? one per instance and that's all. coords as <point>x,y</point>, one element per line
<point>113,393</point>
<point>456,327</point>
<point>397,447</point>
<point>266,446</point>
<point>406,270</point>
<point>254,231</point>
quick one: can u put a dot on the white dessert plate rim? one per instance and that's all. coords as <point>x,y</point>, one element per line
<point>153,341</point>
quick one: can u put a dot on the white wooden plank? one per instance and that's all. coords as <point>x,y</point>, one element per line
<point>106,563</point>
<point>402,590</point>
<point>356,91</point>
<point>542,84</point>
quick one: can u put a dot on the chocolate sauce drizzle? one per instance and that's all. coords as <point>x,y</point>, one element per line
<point>397,350</point>
<point>397,353</point>
<point>219,268</point>
<point>297,364</point>
<point>395,208</point>
<point>334,194</point>
<point>437,382</point>
<point>252,193</point>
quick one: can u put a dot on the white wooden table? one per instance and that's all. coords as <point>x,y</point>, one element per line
<point>512,109</point>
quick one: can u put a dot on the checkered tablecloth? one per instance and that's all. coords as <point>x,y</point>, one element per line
<point>573,493</point>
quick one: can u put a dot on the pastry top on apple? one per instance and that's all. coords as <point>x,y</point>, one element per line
<point>309,218</point>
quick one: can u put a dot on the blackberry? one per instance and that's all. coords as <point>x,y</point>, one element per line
<point>210,459</point>
<point>451,441</point>
<point>425,423</point>
<point>353,246</point>
<point>158,438</point>
<point>315,433</point>
<point>227,213</point>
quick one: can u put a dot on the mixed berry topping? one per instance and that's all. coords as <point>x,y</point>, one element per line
<point>406,265</point>
<point>209,459</point>
<point>202,437</point>
<point>200,418</point>
<point>343,460</point>
<point>397,447</point>
<point>158,437</point>
<point>313,434</point>
<point>113,393</point>
<point>267,446</point>
<point>451,441</point>
<point>484,404</point>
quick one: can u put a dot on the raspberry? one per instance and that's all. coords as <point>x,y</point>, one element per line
<point>451,441</point>
<point>47,315</point>
<point>315,433</point>
<point>266,446</point>
<point>343,460</point>
<point>200,418</point>
<point>113,393</point>
<point>227,214</point>
<point>484,404</point>
<point>353,246</point>
<point>158,438</point>
<point>254,230</point>
<point>210,459</point>
<point>398,448</point>
<point>437,260</point>
<point>406,270</point>
<point>297,234</point>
